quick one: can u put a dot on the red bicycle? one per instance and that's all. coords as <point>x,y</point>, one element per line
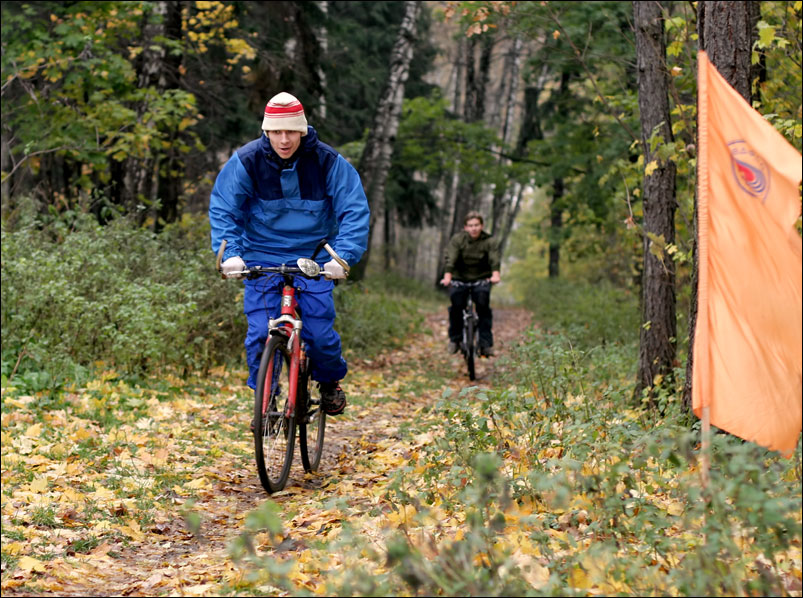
<point>283,399</point>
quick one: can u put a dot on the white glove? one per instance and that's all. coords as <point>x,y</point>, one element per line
<point>233,264</point>
<point>333,270</point>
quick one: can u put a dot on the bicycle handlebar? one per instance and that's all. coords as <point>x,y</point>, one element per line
<point>476,283</point>
<point>307,267</point>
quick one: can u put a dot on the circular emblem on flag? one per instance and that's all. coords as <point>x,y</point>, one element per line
<point>750,172</point>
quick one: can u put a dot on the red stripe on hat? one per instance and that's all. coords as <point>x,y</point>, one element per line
<point>280,110</point>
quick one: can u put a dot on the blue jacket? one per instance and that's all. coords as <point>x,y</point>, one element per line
<point>273,215</point>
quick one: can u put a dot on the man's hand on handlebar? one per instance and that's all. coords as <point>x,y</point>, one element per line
<point>332,270</point>
<point>495,278</point>
<point>233,267</point>
<point>447,279</point>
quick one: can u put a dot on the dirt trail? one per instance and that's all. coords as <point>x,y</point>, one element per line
<point>362,449</point>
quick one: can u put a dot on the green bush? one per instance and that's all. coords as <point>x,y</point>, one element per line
<point>116,294</point>
<point>77,296</point>
<point>589,315</point>
<point>378,312</point>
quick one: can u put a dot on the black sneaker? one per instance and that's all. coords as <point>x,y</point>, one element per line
<point>452,348</point>
<point>486,351</point>
<point>333,399</point>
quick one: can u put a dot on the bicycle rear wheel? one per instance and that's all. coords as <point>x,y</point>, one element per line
<point>311,426</point>
<point>274,431</point>
<point>471,346</point>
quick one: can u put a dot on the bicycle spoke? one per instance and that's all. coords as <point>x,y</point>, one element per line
<point>273,444</point>
<point>311,429</point>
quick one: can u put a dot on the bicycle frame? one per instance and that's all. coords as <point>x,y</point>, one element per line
<point>469,314</point>
<point>283,345</point>
<point>289,324</point>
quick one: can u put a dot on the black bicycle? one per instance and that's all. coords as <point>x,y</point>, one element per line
<point>283,399</point>
<point>470,343</point>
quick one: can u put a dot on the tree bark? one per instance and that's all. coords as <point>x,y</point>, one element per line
<point>509,88</point>
<point>170,175</point>
<point>477,76</point>
<point>726,31</point>
<point>375,161</point>
<point>555,227</point>
<point>657,343</point>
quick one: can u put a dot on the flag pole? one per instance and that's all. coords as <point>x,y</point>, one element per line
<point>705,445</point>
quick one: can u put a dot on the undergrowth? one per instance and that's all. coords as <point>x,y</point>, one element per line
<point>78,297</point>
<point>562,486</point>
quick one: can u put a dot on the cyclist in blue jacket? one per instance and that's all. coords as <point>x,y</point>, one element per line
<point>272,202</point>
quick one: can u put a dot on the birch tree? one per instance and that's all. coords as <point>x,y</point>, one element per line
<point>375,162</point>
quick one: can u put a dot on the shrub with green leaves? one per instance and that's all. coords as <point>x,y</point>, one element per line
<point>116,294</point>
<point>590,315</point>
<point>378,312</point>
<point>77,295</point>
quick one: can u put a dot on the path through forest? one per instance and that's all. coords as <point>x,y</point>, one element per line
<point>183,548</point>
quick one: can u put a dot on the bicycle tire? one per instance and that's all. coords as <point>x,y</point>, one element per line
<point>311,426</point>
<point>471,347</point>
<point>274,432</point>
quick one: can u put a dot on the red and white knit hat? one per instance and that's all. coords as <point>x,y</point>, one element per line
<point>284,113</point>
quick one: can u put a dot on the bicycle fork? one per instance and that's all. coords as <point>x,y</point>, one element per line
<point>290,325</point>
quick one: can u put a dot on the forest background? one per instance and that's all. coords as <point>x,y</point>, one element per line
<point>117,116</point>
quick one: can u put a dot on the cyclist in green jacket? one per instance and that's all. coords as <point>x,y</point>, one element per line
<point>472,255</point>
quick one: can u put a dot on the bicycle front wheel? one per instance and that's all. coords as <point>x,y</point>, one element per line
<point>471,347</point>
<point>274,430</point>
<point>311,426</point>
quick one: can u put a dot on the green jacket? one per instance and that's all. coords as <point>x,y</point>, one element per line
<point>468,260</point>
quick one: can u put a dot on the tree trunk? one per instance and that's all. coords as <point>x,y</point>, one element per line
<point>530,129</point>
<point>477,76</point>
<point>150,73</point>
<point>657,343</point>
<point>375,161</point>
<point>322,35</point>
<point>555,227</point>
<point>170,175</point>
<point>726,31</point>
<point>509,87</point>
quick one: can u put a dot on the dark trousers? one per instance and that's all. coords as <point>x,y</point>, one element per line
<point>482,300</point>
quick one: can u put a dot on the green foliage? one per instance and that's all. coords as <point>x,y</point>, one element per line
<point>73,92</point>
<point>361,38</point>
<point>590,314</point>
<point>434,142</point>
<point>778,47</point>
<point>76,295</point>
<point>607,481</point>
<point>556,463</point>
<point>378,312</point>
<point>116,294</point>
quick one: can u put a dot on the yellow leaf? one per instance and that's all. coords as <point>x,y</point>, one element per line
<point>80,434</point>
<point>579,579</point>
<point>197,484</point>
<point>532,571</point>
<point>402,516</point>
<point>102,526</point>
<point>13,548</point>
<point>650,168</point>
<point>34,431</point>
<point>28,563</point>
<point>39,485</point>
<point>132,530</point>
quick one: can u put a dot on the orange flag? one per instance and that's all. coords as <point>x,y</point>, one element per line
<point>747,341</point>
